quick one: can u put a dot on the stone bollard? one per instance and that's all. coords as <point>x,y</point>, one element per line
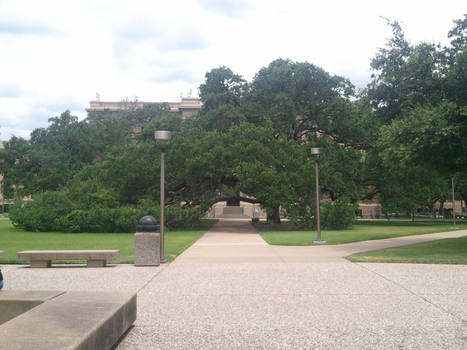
<point>147,242</point>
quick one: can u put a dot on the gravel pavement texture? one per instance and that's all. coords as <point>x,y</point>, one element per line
<point>231,290</point>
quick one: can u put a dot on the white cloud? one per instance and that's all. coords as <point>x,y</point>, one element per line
<point>163,36</point>
<point>57,54</point>
<point>19,28</point>
<point>20,115</point>
<point>229,8</point>
<point>10,91</point>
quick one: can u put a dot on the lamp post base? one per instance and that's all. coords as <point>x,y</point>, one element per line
<point>163,261</point>
<point>315,242</point>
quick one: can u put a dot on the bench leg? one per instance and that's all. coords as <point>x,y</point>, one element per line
<point>96,263</point>
<point>40,263</point>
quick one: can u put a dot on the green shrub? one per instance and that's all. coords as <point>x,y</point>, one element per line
<point>120,219</point>
<point>54,211</point>
<point>302,216</point>
<point>338,215</point>
<point>42,213</point>
<point>126,218</point>
<point>177,217</point>
<point>90,220</point>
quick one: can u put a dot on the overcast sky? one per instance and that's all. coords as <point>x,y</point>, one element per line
<point>56,55</point>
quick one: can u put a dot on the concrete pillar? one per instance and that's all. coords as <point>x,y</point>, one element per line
<point>147,242</point>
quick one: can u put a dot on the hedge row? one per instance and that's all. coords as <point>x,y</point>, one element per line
<point>50,212</point>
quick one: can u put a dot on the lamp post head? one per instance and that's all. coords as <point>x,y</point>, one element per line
<point>315,151</point>
<point>162,135</point>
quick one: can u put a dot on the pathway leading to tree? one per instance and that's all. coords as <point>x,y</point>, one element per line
<point>231,240</point>
<point>231,290</point>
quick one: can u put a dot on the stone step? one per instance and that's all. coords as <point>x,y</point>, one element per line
<point>233,213</point>
<point>234,216</point>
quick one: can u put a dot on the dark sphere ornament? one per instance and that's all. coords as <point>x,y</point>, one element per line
<point>147,223</point>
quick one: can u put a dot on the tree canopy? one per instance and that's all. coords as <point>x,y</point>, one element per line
<point>399,140</point>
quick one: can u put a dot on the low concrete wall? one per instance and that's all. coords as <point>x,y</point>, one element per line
<point>13,304</point>
<point>71,320</point>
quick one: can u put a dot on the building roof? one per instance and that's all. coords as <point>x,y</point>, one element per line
<point>187,106</point>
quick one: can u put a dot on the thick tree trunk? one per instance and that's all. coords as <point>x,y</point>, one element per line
<point>431,208</point>
<point>441,208</point>
<point>275,217</point>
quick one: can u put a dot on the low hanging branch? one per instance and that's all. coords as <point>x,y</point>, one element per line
<point>239,198</point>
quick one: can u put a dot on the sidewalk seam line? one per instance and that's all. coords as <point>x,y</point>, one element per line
<point>153,277</point>
<point>281,259</point>
<point>460,319</point>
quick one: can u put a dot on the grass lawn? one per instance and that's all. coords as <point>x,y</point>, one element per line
<point>361,231</point>
<point>13,240</point>
<point>443,251</point>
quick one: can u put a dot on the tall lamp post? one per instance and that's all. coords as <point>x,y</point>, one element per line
<point>316,151</point>
<point>453,204</point>
<point>162,135</point>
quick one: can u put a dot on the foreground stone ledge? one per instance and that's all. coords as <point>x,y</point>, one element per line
<point>72,320</point>
<point>14,303</point>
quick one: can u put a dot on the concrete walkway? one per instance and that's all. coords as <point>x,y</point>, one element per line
<point>231,290</point>
<point>337,252</point>
<point>237,240</point>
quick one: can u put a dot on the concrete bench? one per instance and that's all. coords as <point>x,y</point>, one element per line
<point>65,320</point>
<point>43,258</point>
<point>1,254</point>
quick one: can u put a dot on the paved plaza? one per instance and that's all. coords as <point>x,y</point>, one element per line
<point>231,290</point>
